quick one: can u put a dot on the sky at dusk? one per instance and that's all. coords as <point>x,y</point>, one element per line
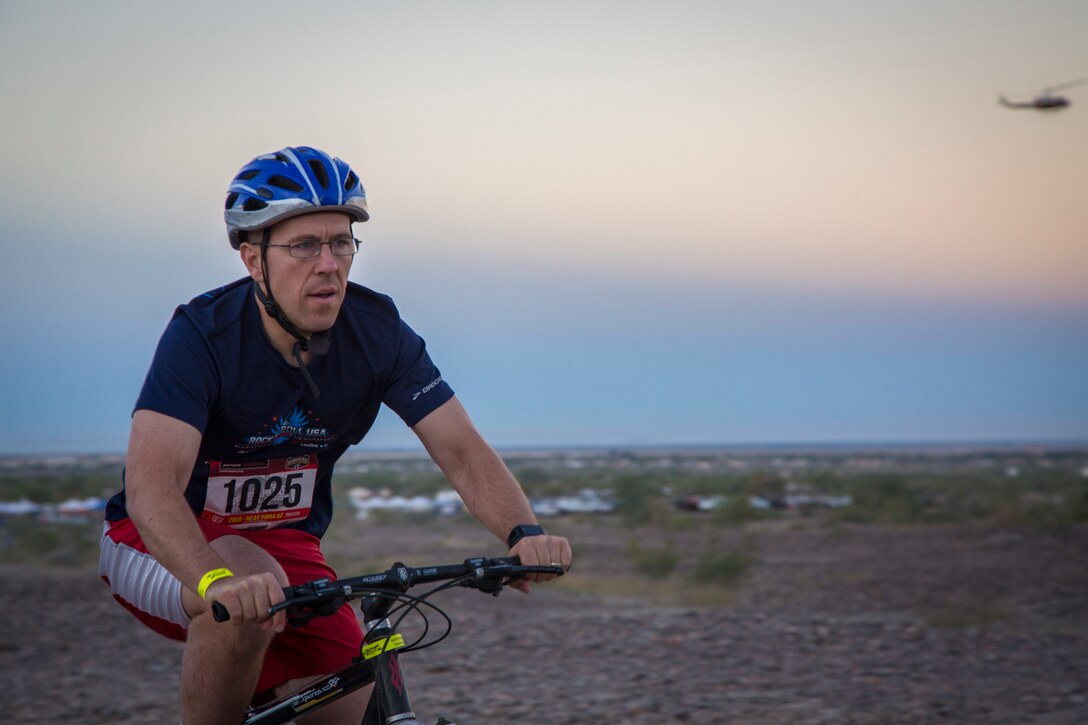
<point>615,223</point>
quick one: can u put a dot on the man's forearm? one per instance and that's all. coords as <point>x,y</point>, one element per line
<point>160,459</point>
<point>487,487</point>
<point>172,535</point>
<point>491,493</point>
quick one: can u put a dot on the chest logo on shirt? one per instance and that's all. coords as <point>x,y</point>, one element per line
<point>299,428</point>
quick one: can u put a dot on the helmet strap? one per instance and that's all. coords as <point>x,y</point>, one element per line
<point>316,344</point>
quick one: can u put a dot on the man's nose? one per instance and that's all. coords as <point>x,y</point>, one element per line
<point>326,260</point>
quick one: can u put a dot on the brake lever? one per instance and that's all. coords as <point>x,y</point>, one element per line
<point>300,615</point>
<point>492,582</point>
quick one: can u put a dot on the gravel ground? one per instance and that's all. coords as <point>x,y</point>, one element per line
<point>856,625</point>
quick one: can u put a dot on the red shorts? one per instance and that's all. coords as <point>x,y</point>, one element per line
<point>153,595</point>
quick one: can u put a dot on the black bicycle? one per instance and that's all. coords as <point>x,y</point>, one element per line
<point>384,597</point>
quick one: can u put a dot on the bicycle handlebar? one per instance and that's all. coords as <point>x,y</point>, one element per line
<point>485,574</point>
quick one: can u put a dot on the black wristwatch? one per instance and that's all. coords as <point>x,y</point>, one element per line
<point>521,531</point>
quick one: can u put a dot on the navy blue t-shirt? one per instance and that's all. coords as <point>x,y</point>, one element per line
<point>268,447</point>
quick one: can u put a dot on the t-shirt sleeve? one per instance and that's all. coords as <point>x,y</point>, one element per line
<point>416,386</point>
<point>182,382</point>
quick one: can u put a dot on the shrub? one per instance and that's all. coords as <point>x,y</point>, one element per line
<point>721,567</point>
<point>654,562</point>
<point>737,510</point>
<point>634,495</point>
<point>26,541</point>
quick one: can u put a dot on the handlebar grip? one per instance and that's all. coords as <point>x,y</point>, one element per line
<point>219,612</point>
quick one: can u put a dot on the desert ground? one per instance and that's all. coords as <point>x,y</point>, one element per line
<point>845,623</point>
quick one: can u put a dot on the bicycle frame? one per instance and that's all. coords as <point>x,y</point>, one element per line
<point>377,663</point>
<point>331,687</point>
<point>389,703</point>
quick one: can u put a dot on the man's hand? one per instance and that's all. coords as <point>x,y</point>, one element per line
<point>543,550</point>
<point>248,598</point>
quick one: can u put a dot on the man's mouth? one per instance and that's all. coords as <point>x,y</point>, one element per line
<point>324,294</point>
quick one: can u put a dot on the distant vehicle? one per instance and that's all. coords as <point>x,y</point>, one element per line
<point>687,503</point>
<point>364,501</point>
<point>1040,103</point>
<point>73,511</point>
<point>22,507</point>
<point>544,507</point>
<point>699,503</point>
<point>588,501</point>
<point>82,505</point>
<point>1045,99</point>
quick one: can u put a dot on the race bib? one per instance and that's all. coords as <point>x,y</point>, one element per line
<point>260,494</point>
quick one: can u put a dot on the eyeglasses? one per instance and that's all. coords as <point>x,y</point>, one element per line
<point>309,248</point>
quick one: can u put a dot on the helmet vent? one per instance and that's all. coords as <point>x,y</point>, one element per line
<point>281,158</point>
<point>253,204</point>
<point>351,181</point>
<point>231,198</point>
<point>265,193</point>
<point>283,182</point>
<point>319,171</point>
<point>247,175</point>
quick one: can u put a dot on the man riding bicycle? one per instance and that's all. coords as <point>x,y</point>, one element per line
<point>255,390</point>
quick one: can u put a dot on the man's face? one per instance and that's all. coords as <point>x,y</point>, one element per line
<point>309,291</point>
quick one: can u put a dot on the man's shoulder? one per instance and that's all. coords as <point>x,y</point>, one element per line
<point>362,302</point>
<point>216,309</point>
<point>232,293</point>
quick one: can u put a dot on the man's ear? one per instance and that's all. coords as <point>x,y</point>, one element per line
<point>251,258</point>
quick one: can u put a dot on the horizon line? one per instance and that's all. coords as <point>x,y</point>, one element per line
<point>1004,444</point>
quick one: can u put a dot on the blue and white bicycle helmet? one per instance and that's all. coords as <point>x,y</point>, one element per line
<point>294,180</point>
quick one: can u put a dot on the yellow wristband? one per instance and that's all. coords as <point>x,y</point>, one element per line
<point>212,576</point>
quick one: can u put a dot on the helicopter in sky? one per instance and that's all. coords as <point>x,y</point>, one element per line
<point>1045,99</point>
